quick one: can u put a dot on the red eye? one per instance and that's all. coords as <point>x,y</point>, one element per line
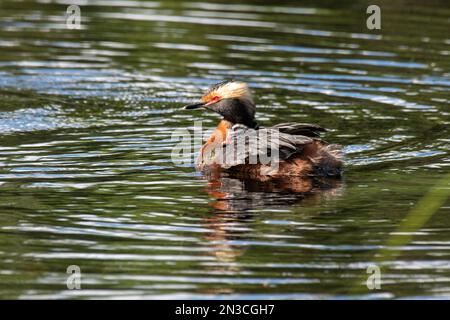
<point>213,100</point>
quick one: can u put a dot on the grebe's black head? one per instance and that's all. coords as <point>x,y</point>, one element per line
<point>232,100</point>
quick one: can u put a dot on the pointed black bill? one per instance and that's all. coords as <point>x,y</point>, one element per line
<point>194,106</point>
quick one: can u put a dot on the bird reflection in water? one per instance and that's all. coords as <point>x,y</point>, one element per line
<point>234,193</point>
<point>233,201</point>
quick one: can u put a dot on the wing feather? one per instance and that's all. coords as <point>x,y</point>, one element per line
<point>249,146</point>
<point>304,129</point>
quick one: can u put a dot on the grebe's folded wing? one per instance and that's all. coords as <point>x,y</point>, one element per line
<point>249,146</point>
<point>304,129</point>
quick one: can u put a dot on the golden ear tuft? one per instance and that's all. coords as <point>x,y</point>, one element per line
<point>228,89</point>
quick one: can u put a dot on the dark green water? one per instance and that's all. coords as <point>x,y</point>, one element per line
<point>86,176</point>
